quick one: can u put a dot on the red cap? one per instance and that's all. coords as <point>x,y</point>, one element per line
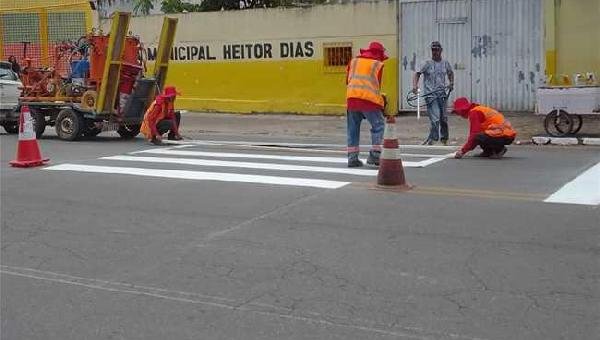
<point>170,92</point>
<point>461,104</point>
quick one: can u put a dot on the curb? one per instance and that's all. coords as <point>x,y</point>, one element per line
<point>563,141</point>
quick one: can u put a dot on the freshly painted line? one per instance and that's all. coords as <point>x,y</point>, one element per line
<point>338,160</point>
<point>585,189</point>
<point>245,165</point>
<point>434,160</point>
<point>275,143</point>
<point>200,175</point>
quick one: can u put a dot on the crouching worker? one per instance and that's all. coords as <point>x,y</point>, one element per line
<point>487,129</point>
<point>161,118</point>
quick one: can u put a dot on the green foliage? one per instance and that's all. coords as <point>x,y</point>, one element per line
<point>142,6</point>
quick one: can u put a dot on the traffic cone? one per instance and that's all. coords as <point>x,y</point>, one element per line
<point>391,171</point>
<point>28,151</point>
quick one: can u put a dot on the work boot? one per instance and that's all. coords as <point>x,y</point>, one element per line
<point>427,142</point>
<point>499,154</point>
<point>484,153</point>
<point>173,136</point>
<point>155,141</point>
<point>353,161</point>
<point>444,142</point>
<point>373,158</point>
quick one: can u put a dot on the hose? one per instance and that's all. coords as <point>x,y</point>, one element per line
<point>426,98</point>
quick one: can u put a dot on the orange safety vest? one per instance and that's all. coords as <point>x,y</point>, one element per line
<point>145,128</point>
<point>363,82</point>
<point>494,124</point>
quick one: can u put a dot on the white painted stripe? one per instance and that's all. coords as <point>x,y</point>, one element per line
<point>434,160</point>
<point>337,160</point>
<point>585,189</point>
<point>275,143</point>
<point>245,165</point>
<point>200,175</point>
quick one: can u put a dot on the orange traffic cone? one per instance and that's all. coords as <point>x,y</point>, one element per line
<point>391,171</point>
<point>28,151</point>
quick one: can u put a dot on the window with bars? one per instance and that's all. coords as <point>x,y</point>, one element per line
<point>336,56</point>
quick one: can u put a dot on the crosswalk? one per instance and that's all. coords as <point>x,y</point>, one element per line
<point>205,162</point>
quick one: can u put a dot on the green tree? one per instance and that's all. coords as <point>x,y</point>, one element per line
<point>143,7</point>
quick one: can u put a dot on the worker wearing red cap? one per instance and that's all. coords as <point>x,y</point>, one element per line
<point>487,128</point>
<point>161,118</point>
<point>365,101</point>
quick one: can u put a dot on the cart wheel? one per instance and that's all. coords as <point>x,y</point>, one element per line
<point>129,131</point>
<point>558,123</point>
<point>11,128</point>
<point>68,125</point>
<point>39,123</point>
<point>577,123</point>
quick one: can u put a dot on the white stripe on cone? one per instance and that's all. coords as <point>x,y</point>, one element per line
<point>26,126</point>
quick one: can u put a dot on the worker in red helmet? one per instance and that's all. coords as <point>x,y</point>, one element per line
<point>160,118</point>
<point>364,100</point>
<point>488,129</point>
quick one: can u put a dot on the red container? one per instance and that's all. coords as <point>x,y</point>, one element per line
<point>98,55</point>
<point>129,73</point>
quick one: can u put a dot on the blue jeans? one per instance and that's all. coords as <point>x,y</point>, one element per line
<point>375,118</point>
<point>436,108</point>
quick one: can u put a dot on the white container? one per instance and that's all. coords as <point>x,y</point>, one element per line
<point>582,100</point>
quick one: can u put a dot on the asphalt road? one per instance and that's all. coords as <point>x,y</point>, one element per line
<point>293,248</point>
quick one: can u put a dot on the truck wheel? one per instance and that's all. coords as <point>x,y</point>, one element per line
<point>39,124</point>
<point>11,128</point>
<point>68,125</point>
<point>129,131</point>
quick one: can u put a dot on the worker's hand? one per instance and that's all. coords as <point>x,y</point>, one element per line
<point>415,90</point>
<point>459,154</point>
<point>158,138</point>
<point>451,87</point>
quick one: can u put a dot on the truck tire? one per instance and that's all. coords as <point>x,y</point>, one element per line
<point>11,128</point>
<point>129,131</point>
<point>69,125</point>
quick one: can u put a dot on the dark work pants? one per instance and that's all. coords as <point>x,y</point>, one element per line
<point>166,125</point>
<point>493,144</point>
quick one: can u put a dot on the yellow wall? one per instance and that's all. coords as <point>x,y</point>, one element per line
<point>298,85</point>
<point>572,36</point>
<point>274,86</point>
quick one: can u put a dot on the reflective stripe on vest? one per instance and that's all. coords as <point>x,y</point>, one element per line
<point>363,82</point>
<point>494,124</point>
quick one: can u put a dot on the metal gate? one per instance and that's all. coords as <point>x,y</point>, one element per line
<point>495,47</point>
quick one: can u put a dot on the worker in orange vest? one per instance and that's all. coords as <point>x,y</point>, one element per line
<point>487,128</point>
<point>161,118</point>
<point>365,101</point>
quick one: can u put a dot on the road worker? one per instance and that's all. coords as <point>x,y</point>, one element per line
<point>161,118</point>
<point>488,129</point>
<point>365,101</point>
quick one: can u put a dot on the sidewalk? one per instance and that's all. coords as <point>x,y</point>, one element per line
<point>410,130</point>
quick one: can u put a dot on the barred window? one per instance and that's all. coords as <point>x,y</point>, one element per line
<point>336,56</point>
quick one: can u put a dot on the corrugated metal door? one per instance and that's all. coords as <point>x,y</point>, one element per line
<point>506,53</point>
<point>494,47</point>
<point>454,33</point>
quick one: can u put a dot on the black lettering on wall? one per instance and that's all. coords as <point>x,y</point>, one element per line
<point>208,56</point>
<point>226,51</point>
<point>308,46</point>
<point>268,50</point>
<point>151,53</point>
<point>236,51</point>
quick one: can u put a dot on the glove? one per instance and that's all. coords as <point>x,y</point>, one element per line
<point>459,154</point>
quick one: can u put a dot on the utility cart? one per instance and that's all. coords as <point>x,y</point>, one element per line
<point>565,107</point>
